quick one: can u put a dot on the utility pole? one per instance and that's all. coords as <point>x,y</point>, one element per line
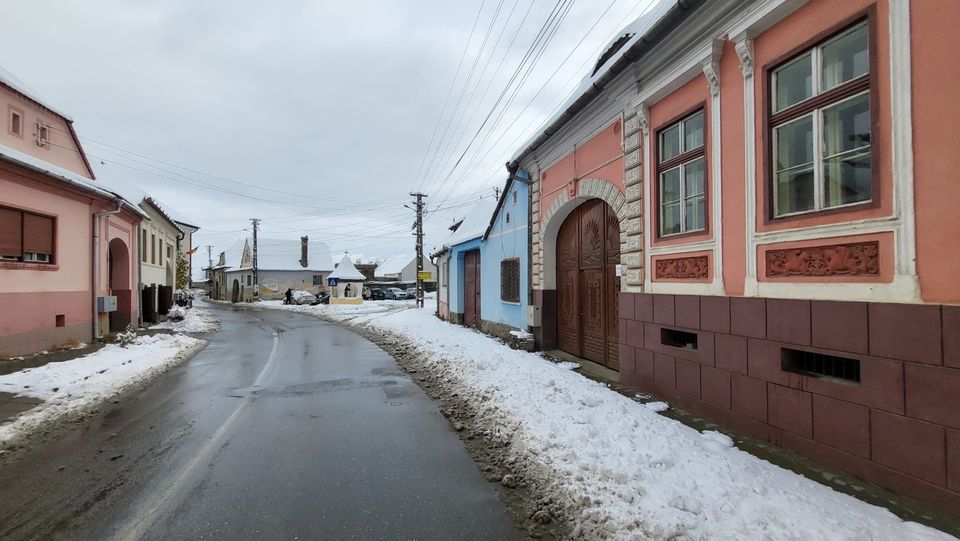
<point>418,225</point>
<point>209,271</point>
<point>496,192</point>
<point>256,282</point>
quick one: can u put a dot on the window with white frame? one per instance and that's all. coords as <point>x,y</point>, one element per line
<point>820,126</point>
<point>681,170</point>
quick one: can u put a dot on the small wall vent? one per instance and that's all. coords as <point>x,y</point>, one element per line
<point>678,339</point>
<point>819,365</point>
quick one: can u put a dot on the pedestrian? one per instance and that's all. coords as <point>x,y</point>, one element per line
<point>346,291</point>
<point>288,296</point>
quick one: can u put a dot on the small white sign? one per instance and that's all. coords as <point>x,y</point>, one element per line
<point>619,270</point>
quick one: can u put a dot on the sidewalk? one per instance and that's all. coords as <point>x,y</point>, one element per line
<point>613,467</point>
<point>51,389</point>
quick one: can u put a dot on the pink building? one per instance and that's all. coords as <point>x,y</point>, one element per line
<point>67,246</point>
<point>750,209</point>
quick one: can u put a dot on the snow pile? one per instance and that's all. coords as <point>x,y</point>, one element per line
<point>75,387</point>
<point>191,320</point>
<point>617,469</point>
<point>342,312</point>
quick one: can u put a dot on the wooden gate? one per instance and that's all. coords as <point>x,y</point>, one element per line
<point>471,288</point>
<point>588,250</point>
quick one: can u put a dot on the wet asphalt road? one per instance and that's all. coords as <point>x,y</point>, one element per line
<point>284,427</point>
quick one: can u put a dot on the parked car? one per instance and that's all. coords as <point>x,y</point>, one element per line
<point>321,298</point>
<point>303,297</point>
<point>411,293</point>
<point>375,294</point>
<point>395,293</point>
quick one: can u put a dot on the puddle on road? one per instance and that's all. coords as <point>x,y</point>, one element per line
<point>12,405</point>
<point>303,389</point>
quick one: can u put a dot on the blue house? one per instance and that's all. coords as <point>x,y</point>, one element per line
<point>484,266</point>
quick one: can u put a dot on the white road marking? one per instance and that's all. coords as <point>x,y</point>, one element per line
<point>144,519</point>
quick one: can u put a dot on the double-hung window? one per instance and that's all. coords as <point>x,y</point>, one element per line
<point>820,126</point>
<point>682,174</point>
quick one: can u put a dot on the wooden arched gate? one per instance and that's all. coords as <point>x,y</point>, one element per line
<point>588,251</point>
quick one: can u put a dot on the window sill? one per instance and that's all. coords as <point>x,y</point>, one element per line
<point>510,302</point>
<point>21,265</point>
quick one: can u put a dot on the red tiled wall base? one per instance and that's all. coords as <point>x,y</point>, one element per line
<point>899,427</point>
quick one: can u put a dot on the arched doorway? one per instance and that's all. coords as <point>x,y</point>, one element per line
<point>588,251</point>
<point>235,295</point>
<point>118,274</point>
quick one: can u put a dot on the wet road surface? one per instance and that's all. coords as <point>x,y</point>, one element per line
<point>284,427</point>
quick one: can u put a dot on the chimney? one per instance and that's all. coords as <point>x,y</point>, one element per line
<point>303,251</point>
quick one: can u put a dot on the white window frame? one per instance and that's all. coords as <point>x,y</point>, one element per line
<point>816,59</point>
<point>682,167</point>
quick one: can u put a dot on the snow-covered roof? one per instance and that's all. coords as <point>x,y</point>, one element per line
<point>393,265</point>
<point>624,40</point>
<point>13,82</point>
<point>59,173</point>
<point>346,271</point>
<point>474,223</point>
<point>282,255</point>
<point>156,205</point>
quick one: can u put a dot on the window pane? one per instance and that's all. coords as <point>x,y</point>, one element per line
<point>846,126</point>
<point>693,177</point>
<point>670,219</point>
<point>794,143</point>
<point>694,215</point>
<point>795,191</point>
<point>794,82</point>
<point>845,58</point>
<point>847,179</point>
<point>670,143</point>
<point>693,132</point>
<point>670,185</point>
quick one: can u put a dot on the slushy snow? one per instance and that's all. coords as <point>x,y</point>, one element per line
<point>74,387</point>
<point>194,320</point>
<point>616,467</point>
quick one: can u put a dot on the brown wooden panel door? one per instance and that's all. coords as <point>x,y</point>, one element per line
<point>568,285</point>
<point>471,288</point>
<point>588,251</point>
<point>592,295</point>
<point>612,288</point>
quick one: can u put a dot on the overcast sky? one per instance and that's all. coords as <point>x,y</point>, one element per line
<point>314,116</point>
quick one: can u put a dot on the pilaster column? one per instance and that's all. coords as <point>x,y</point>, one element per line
<point>635,127</point>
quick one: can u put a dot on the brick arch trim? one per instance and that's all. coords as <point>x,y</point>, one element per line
<point>587,189</point>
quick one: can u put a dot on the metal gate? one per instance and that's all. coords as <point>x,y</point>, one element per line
<point>588,250</point>
<point>471,288</point>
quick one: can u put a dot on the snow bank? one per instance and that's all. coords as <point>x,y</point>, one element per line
<point>194,320</point>
<point>615,467</point>
<point>74,387</point>
<point>342,312</point>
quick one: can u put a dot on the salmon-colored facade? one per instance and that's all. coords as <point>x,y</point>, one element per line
<point>58,227</point>
<point>811,277</point>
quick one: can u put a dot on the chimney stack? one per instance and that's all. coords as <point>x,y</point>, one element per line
<point>303,251</point>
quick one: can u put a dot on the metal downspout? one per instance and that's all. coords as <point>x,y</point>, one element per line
<point>96,263</point>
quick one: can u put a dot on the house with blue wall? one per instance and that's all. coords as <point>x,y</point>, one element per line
<point>484,265</point>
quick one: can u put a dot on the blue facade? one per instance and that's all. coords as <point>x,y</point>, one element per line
<point>502,237</point>
<point>507,239</point>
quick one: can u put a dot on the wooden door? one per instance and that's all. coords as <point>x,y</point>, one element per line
<point>592,296</point>
<point>471,288</point>
<point>568,285</point>
<point>588,250</point>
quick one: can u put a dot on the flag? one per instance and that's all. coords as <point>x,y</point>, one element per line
<point>191,252</point>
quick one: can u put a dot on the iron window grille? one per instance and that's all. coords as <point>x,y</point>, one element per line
<point>510,280</point>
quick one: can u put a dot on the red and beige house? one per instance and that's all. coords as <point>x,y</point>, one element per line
<point>68,246</point>
<point>750,209</point>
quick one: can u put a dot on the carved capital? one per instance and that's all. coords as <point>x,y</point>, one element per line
<point>643,116</point>
<point>710,69</point>
<point>745,54</point>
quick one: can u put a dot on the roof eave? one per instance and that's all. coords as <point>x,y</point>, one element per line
<point>654,34</point>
